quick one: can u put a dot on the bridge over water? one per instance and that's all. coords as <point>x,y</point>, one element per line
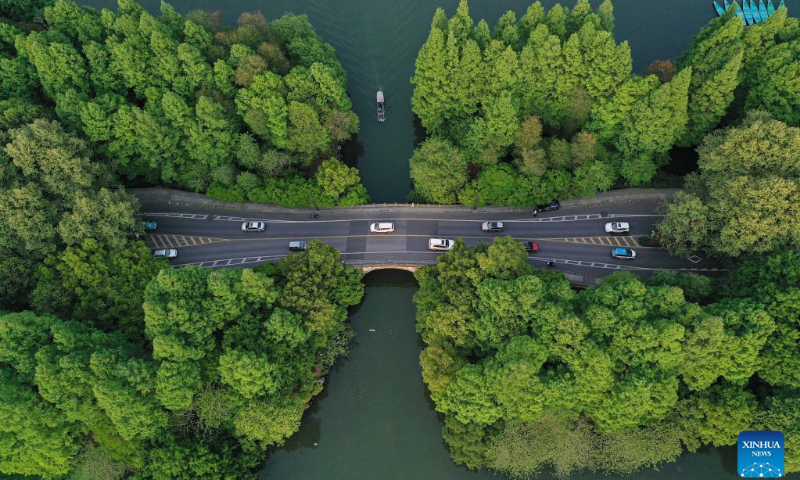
<point>207,232</point>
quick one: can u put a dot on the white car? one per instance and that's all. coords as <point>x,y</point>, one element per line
<point>618,227</point>
<point>440,244</point>
<point>253,227</point>
<point>382,227</point>
<point>165,253</point>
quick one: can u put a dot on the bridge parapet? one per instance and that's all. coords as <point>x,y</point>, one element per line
<point>371,266</point>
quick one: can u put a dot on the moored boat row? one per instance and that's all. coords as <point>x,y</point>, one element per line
<point>749,13</point>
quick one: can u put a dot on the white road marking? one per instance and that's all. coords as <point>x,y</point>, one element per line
<point>192,216</point>
<point>567,218</point>
<point>230,262</point>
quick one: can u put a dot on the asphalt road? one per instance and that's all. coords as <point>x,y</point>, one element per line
<point>573,238</point>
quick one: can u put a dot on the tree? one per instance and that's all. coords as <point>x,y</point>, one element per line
<point>438,170</point>
<point>163,100</point>
<point>33,429</point>
<point>606,13</point>
<point>685,227</point>
<point>773,281</point>
<point>336,178</point>
<point>545,85</point>
<point>663,69</point>
<point>48,156</point>
<point>106,217</point>
<point>735,172</point>
<point>768,83</point>
<point>305,134</point>
<point>101,286</point>
<point>626,366</point>
<point>596,62</point>
<point>715,57</point>
<point>655,123</point>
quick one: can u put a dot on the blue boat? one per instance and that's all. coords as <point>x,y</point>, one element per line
<point>748,15</point>
<point>762,10</point>
<point>727,5</point>
<point>781,5</point>
<point>739,12</point>
<point>719,9</point>
<point>754,12</point>
<point>770,8</point>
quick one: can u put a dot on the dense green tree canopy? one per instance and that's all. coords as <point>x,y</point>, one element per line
<point>166,100</point>
<point>230,361</point>
<point>49,198</point>
<point>746,197</point>
<point>485,92</point>
<point>480,89</point>
<point>513,353</point>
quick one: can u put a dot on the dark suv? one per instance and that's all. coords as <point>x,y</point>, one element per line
<point>554,205</point>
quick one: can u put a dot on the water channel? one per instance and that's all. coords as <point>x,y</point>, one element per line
<point>374,420</point>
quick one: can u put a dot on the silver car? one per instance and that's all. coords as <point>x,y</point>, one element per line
<point>492,226</point>
<point>382,227</point>
<point>297,246</point>
<point>166,253</point>
<point>618,227</point>
<point>440,244</point>
<point>253,227</point>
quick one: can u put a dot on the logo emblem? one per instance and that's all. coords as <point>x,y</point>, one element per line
<point>760,454</point>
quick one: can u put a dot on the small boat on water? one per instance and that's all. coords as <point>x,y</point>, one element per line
<point>739,12</point>
<point>748,15</point>
<point>381,107</point>
<point>754,11</point>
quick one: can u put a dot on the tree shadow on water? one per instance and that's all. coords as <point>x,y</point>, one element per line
<point>419,132</point>
<point>352,151</point>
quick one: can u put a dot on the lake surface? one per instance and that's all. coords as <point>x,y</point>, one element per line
<point>377,42</point>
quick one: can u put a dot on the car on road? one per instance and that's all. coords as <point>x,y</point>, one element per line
<point>297,246</point>
<point>382,227</point>
<point>492,226</point>
<point>618,227</point>
<point>530,247</point>
<point>554,205</point>
<point>253,227</point>
<point>165,253</point>
<point>624,253</point>
<point>149,226</point>
<point>440,244</point>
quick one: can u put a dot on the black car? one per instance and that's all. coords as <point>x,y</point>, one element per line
<point>554,205</point>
